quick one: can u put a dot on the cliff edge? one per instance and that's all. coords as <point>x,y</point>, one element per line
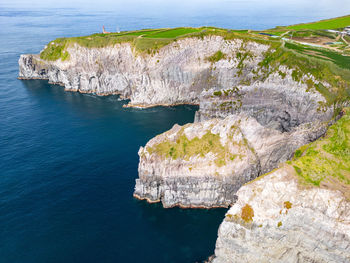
<point>204,164</point>
<point>297,213</point>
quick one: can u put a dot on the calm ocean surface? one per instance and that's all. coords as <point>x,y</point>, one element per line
<point>68,161</point>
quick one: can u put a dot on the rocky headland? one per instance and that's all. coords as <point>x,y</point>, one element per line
<point>297,213</point>
<point>204,164</point>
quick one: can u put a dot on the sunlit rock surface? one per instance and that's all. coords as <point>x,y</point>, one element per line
<point>205,163</point>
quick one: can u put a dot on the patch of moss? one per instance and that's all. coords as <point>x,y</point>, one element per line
<point>296,75</point>
<point>287,205</point>
<point>183,148</point>
<point>217,56</point>
<point>217,93</point>
<point>282,74</point>
<point>299,152</point>
<point>55,50</point>
<point>247,213</point>
<point>310,84</point>
<point>242,56</point>
<point>328,159</point>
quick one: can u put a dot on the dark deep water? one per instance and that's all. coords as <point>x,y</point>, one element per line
<point>68,161</point>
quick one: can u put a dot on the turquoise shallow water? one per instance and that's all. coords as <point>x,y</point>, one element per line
<point>68,161</point>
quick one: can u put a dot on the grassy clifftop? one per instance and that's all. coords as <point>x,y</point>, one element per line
<point>333,23</point>
<point>146,40</point>
<point>324,64</point>
<point>326,162</point>
<point>184,148</point>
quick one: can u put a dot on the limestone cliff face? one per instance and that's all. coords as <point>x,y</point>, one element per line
<point>182,72</point>
<point>278,102</point>
<point>177,73</point>
<point>204,164</point>
<point>275,219</point>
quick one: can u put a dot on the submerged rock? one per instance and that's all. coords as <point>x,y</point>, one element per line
<point>204,164</point>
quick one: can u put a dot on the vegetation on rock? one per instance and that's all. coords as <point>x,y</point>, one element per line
<point>333,23</point>
<point>322,70</point>
<point>216,57</point>
<point>247,213</point>
<point>287,205</point>
<point>183,148</point>
<point>326,162</point>
<point>147,40</point>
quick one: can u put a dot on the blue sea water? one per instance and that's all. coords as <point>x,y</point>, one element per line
<point>68,161</point>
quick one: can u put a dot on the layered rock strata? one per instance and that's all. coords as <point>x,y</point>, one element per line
<point>204,164</point>
<point>185,72</point>
<point>177,73</point>
<point>297,213</point>
<point>276,220</point>
<point>278,102</point>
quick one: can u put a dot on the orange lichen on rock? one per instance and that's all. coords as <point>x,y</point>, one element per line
<point>247,213</point>
<point>287,205</point>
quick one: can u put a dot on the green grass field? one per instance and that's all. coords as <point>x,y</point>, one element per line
<point>147,40</point>
<point>323,54</point>
<point>334,23</point>
<point>173,33</point>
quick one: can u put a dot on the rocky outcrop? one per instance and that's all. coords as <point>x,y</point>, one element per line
<point>277,220</point>
<point>185,71</point>
<point>297,213</point>
<point>278,102</point>
<point>177,73</point>
<point>204,164</point>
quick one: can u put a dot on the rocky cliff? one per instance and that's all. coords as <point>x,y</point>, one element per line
<point>188,70</point>
<point>298,213</point>
<point>260,102</point>
<point>278,102</point>
<point>204,164</point>
<point>284,101</point>
<point>176,73</point>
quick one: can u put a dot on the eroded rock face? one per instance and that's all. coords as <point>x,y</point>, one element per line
<point>290,223</point>
<point>278,102</point>
<point>182,72</point>
<point>176,74</point>
<point>204,164</point>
